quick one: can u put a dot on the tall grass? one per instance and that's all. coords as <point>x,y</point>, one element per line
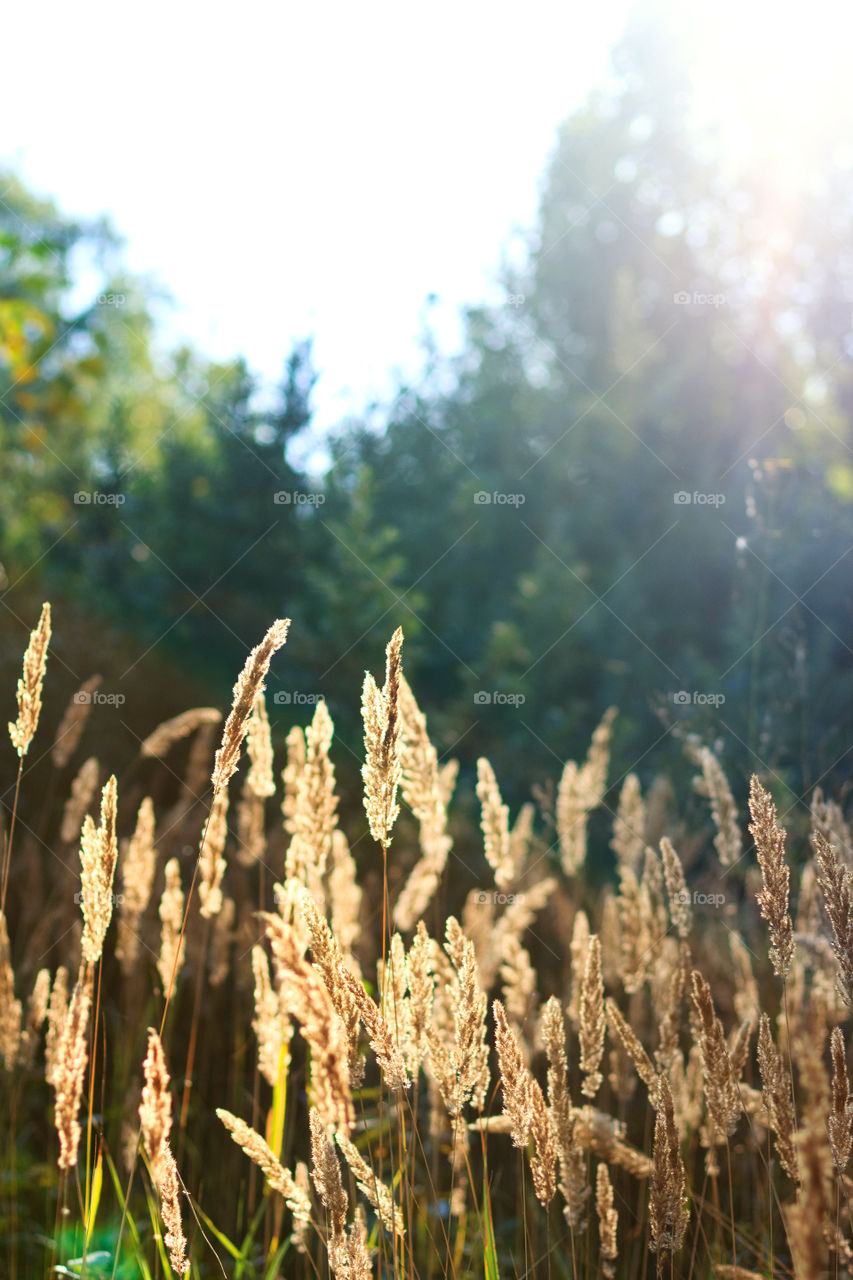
<point>372,1073</point>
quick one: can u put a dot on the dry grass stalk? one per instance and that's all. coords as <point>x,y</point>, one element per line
<point>155,1108</point>
<point>326,1174</point>
<point>352,1261</point>
<point>636,930</point>
<point>221,937</point>
<point>515,1078</point>
<point>543,1165</point>
<point>36,1014</point>
<point>251,832</point>
<point>739,1044</point>
<point>155,1116</point>
<point>329,961</point>
<point>469,1056</point>
<point>604,1136</point>
<point>597,760</point>
<point>11,1010</point>
<point>629,825</point>
<point>381,770</point>
<point>313,819</point>
<point>161,739</point>
<point>810,1221</point>
<point>808,1036</point>
<point>828,819</point>
<point>747,1001</point>
<point>420,982</point>
<point>840,1118</point>
<point>301,1227</point>
<point>83,789</point>
<point>432,797</point>
<point>172,945</point>
<point>57,1008</point>
<point>570,1155</point>
<point>277,1177</point>
<point>667,1051</point>
<point>592,1020</point>
<point>723,1272</point>
<point>394,1001</point>
<point>138,864</point>
<point>519,983</point>
<point>249,683</point>
<point>641,1060</point>
<point>676,886</point>
<point>98,854</point>
<point>211,864</point>
<point>654,894</point>
<point>381,1039</point>
<point>611,938</point>
<point>23,730</point>
<point>571,815</point>
<point>713,784</point>
<point>69,1068</point>
<point>525,1105</point>
<point>375,1191</point>
<point>580,790</point>
<point>344,893</point>
<point>668,1213</point>
<point>721,1090</point>
<point>303,993</point>
<point>773,898</point>
<point>577,950</point>
<point>608,1220</point>
<point>295,746</point>
<point>73,722</point>
<point>835,881</point>
<point>259,780</point>
<point>271,1024</point>
<point>776,1096</point>
<point>509,927</point>
<point>494,823</point>
<point>552,1027</point>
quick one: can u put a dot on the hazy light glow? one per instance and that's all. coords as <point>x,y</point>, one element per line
<point>776,80</point>
<point>287,169</point>
<point>293,169</point>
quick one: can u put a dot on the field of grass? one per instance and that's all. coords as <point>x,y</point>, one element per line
<point>234,1045</point>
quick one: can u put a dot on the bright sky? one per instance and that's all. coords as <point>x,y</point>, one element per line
<point>292,169</point>
<point>286,169</point>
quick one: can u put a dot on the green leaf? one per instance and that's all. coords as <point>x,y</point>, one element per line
<point>491,1253</point>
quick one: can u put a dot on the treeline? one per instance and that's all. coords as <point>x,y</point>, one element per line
<point>632,487</point>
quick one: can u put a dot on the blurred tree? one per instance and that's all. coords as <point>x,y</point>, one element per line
<point>580,506</point>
